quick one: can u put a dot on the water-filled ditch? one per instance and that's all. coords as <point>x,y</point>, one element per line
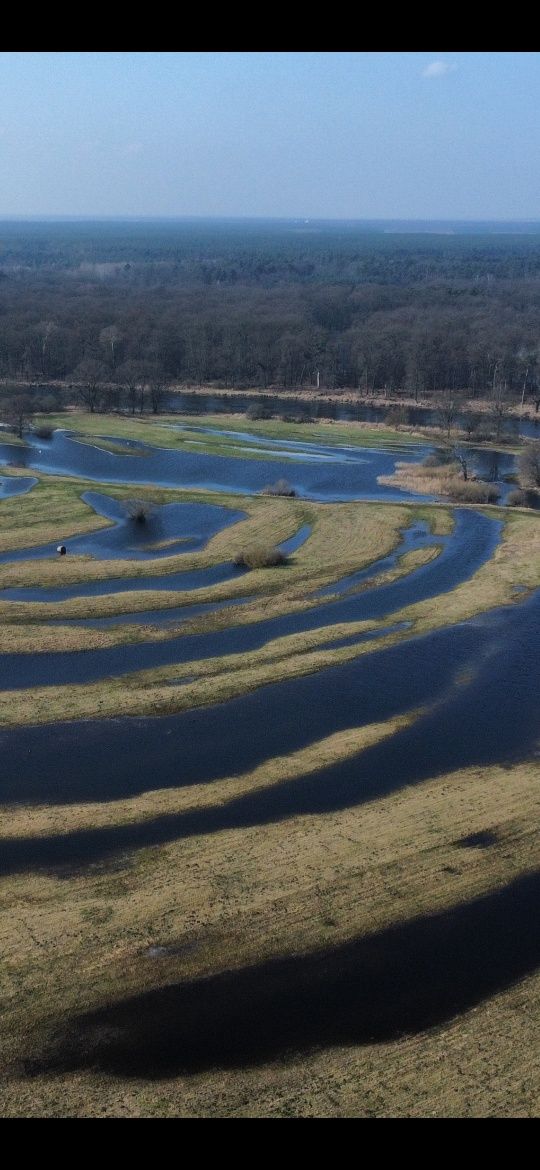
<point>473,541</point>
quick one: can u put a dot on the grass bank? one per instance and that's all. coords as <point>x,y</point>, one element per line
<point>158,431</point>
<point>445,481</point>
<point>344,537</point>
<point>158,692</point>
<point>204,905</point>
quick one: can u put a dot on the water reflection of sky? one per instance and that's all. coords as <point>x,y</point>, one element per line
<point>16,485</point>
<point>491,718</point>
<point>473,541</point>
<point>183,527</point>
<point>355,477</point>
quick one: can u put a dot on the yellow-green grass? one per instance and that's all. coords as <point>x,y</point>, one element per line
<point>158,432</point>
<point>243,896</point>
<point>110,445</point>
<point>247,895</point>
<point>342,540</point>
<point>54,508</point>
<point>163,691</point>
<point>344,537</point>
<point>42,820</point>
<point>358,434</point>
<point>20,636</point>
<point>367,529</point>
<point>171,543</point>
<point>207,444</point>
<point>446,480</point>
<point>156,692</point>
<point>516,561</point>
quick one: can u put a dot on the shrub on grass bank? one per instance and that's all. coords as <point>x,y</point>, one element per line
<point>435,472</point>
<point>471,491</point>
<point>255,412</point>
<point>529,466</point>
<point>397,416</point>
<point>280,488</point>
<point>297,418</point>
<point>522,498</point>
<point>260,557</point>
<point>138,510</point>
<point>44,431</point>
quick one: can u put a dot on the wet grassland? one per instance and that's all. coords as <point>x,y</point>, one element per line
<point>273,848</point>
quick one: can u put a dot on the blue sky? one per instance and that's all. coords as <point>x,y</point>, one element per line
<point>331,135</point>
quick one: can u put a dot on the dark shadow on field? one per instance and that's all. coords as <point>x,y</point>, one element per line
<point>398,982</point>
<point>492,720</point>
<point>493,717</point>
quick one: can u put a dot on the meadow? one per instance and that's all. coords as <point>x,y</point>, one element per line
<point>278,858</point>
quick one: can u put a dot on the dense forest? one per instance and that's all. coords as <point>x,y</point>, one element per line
<point>111,306</point>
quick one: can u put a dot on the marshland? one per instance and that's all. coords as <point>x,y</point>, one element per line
<point>269,727</point>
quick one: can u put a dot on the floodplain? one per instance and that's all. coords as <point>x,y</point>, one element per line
<point>269,836</point>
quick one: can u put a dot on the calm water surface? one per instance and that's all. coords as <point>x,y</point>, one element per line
<point>352,476</point>
<point>472,543</point>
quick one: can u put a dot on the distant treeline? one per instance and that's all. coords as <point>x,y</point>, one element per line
<point>270,305</point>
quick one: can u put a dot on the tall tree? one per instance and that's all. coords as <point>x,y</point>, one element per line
<point>91,376</point>
<point>110,336</point>
<point>17,411</point>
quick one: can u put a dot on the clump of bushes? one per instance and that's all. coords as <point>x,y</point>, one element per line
<point>296,418</point>
<point>138,510</point>
<point>472,491</point>
<point>280,488</point>
<point>435,472</point>
<point>255,412</point>
<point>44,431</point>
<point>450,478</point>
<point>260,557</point>
<point>517,498</point>
<point>397,416</point>
<point>529,466</point>
<point>523,498</point>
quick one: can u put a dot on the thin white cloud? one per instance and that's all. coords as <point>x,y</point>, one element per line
<point>437,69</point>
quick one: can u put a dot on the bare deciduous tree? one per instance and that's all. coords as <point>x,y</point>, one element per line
<point>17,411</point>
<point>91,375</point>
<point>447,414</point>
<point>45,330</point>
<point>110,336</point>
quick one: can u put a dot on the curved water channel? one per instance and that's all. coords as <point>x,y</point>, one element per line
<point>156,535</point>
<point>314,469</point>
<point>489,464</point>
<point>212,574</point>
<point>335,474</point>
<point>416,535</point>
<point>186,579</point>
<point>473,683</point>
<point>472,542</point>
<point>473,680</point>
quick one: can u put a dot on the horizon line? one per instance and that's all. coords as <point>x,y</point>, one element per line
<point>43,217</point>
